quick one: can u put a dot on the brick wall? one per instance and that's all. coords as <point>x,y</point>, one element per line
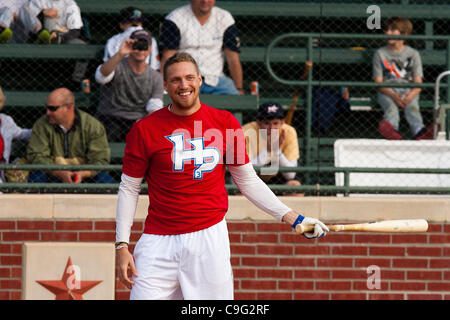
<point>271,262</point>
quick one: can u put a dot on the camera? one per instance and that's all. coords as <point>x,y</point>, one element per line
<point>141,44</point>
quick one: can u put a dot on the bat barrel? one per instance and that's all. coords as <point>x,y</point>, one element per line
<point>406,225</point>
<point>390,226</point>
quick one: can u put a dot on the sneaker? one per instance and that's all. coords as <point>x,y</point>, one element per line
<point>5,34</point>
<point>427,133</point>
<point>387,130</point>
<point>43,37</point>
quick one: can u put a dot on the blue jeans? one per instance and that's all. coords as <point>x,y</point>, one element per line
<point>392,114</point>
<point>225,86</point>
<point>41,177</point>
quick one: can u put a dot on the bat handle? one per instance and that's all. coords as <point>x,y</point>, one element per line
<point>300,229</point>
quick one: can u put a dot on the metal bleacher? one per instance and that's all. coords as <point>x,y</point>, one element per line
<point>316,151</point>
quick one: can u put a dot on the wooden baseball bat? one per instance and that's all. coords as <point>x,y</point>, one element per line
<point>290,113</point>
<point>406,225</point>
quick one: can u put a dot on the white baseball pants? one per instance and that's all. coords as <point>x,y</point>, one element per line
<point>191,266</point>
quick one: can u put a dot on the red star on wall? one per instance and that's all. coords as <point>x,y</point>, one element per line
<point>70,287</point>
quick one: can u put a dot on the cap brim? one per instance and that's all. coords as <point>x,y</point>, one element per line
<point>143,20</point>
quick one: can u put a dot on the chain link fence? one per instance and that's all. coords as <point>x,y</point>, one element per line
<point>331,104</point>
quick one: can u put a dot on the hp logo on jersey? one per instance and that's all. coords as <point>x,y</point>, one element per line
<point>205,159</point>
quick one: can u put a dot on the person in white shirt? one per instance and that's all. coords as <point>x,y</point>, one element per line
<point>9,131</point>
<point>9,11</point>
<point>16,23</point>
<point>62,19</point>
<point>131,19</point>
<point>207,33</point>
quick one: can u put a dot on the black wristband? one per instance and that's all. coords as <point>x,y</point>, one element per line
<point>119,243</point>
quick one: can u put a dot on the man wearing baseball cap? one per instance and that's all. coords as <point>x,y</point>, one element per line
<point>272,143</point>
<point>131,19</point>
<point>130,88</point>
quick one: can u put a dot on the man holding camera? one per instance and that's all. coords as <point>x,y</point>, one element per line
<point>131,19</point>
<point>130,88</point>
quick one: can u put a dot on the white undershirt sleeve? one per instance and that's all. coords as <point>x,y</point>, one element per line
<point>100,78</point>
<point>263,158</point>
<point>153,104</point>
<point>129,190</point>
<point>254,189</point>
<point>285,162</point>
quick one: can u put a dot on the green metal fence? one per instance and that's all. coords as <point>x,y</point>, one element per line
<point>309,189</point>
<point>276,37</point>
<point>335,54</point>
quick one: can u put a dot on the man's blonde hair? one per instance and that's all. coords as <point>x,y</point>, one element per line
<point>177,58</point>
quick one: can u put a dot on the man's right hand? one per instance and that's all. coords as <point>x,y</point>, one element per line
<point>124,260</point>
<point>64,175</point>
<point>110,65</point>
<point>127,47</point>
<point>398,99</point>
<point>51,13</point>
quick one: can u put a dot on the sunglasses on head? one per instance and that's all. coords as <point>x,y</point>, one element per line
<point>54,108</point>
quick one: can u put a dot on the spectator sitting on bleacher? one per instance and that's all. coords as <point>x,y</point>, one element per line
<point>206,32</point>
<point>62,18</point>
<point>130,88</point>
<point>9,131</point>
<point>273,143</point>
<point>9,13</point>
<point>131,19</point>
<point>399,63</point>
<point>66,135</point>
<point>18,25</point>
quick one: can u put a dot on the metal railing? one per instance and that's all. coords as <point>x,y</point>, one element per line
<point>436,102</point>
<point>315,189</point>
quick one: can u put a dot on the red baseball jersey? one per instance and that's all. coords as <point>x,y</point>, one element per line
<point>183,160</point>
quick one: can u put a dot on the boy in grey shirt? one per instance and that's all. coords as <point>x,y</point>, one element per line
<point>399,63</point>
<point>130,88</point>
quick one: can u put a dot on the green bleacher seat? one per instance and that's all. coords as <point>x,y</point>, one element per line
<point>117,151</point>
<point>322,151</point>
<point>248,54</point>
<point>281,9</point>
<point>38,98</point>
<point>61,51</point>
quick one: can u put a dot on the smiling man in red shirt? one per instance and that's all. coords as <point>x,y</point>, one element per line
<point>182,151</point>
